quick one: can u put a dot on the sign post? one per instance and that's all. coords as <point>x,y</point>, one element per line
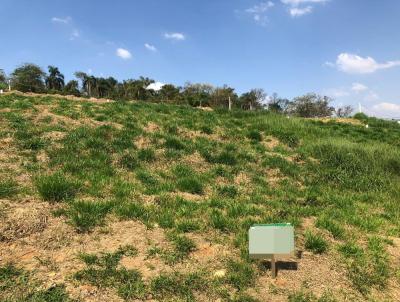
<point>269,241</point>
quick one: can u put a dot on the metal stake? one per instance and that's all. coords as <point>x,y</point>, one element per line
<point>273,266</point>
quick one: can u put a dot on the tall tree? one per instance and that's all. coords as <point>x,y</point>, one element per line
<point>169,93</point>
<point>28,78</point>
<point>277,104</point>
<point>3,80</point>
<point>255,99</point>
<point>72,88</point>
<point>224,97</point>
<point>311,105</point>
<point>55,79</point>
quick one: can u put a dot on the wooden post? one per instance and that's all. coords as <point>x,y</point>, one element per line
<point>273,266</point>
<point>230,103</point>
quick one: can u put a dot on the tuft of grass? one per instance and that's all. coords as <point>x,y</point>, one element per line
<point>337,231</point>
<point>56,187</point>
<point>240,275</point>
<point>254,135</point>
<point>8,188</point>
<point>220,222</point>
<point>104,271</point>
<point>147,155</point>
<point>190,185</point>
<point>315,243</point>
<point>229,191</point>
<point>85,215</point>
<point>129,161</point>
<point>176,285</point>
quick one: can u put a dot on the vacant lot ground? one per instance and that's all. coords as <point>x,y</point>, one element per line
<point>111,201</point>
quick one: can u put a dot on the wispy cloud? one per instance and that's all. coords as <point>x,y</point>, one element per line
<point>355,64</point>
<point>123,53</point>
<point>358,87</point>
<point>74,35</point>
<point>175,36</point>
<point>298,12</point>
<point>259,12</point>
<point>65,20</point>
<point>298,8</point>
<point>150,47</point>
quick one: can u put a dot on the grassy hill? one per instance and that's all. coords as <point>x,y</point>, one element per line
<point>113,201</point>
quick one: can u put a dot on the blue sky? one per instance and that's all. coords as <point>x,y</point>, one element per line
<point>347,49</point>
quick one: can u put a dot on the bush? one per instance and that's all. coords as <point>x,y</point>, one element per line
<point>56,187</point>
<point>315,243</point>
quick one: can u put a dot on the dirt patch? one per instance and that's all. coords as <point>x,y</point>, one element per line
<point>22,221</point>
<point>151,127</point>
<point>339,120</point>
<point>142,142</point>
<point>271,142</point>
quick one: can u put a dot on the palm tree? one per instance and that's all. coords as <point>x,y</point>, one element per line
<point>55,79</point>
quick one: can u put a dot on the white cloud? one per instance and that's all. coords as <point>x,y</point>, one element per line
<point>336,93</point>
<point>175,36</point>
<point>298,8</point>
<point>299,2</point>
<point>258,12</point>
<point>157,86</point>
<point>150,47</point>
<point>351,63</point>
<point>123,53</point>
<point>298,12</point>
<point>75,34</point>
<point>65,20</point>
<point>387,109</point>
<point>358,87</point>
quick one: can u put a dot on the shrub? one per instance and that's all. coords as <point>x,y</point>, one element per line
<point>315,243</point>
<point>56,187</point>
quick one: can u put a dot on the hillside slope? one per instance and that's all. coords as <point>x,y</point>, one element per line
<point>135,201</point>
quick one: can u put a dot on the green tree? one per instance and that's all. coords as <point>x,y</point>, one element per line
<point>169,93</point>
<point>3,80</point>
<point>277,104</point>
<point>72,88</point>
<point>311,105</point>
<point>198,94</point>
<point>224,97</point>
<point>255,99</point>
<point>55,79</point>
<point>28,78</point>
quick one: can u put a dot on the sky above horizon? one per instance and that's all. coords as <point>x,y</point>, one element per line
<point>346,49</point>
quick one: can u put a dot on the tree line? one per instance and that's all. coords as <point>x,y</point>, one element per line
<point>29,77</point>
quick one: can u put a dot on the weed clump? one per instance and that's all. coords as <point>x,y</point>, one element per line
<point>190,184</point>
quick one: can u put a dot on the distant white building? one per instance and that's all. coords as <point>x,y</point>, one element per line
<point>157,86</point>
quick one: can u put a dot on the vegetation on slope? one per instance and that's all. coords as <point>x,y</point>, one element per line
<point>199,179</point>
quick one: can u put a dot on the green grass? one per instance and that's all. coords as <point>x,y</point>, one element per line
<point>315,243</point>
<point>56,187</point>
<point>344,178</point>
<point>8,188</point>
<point>104,271</point>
